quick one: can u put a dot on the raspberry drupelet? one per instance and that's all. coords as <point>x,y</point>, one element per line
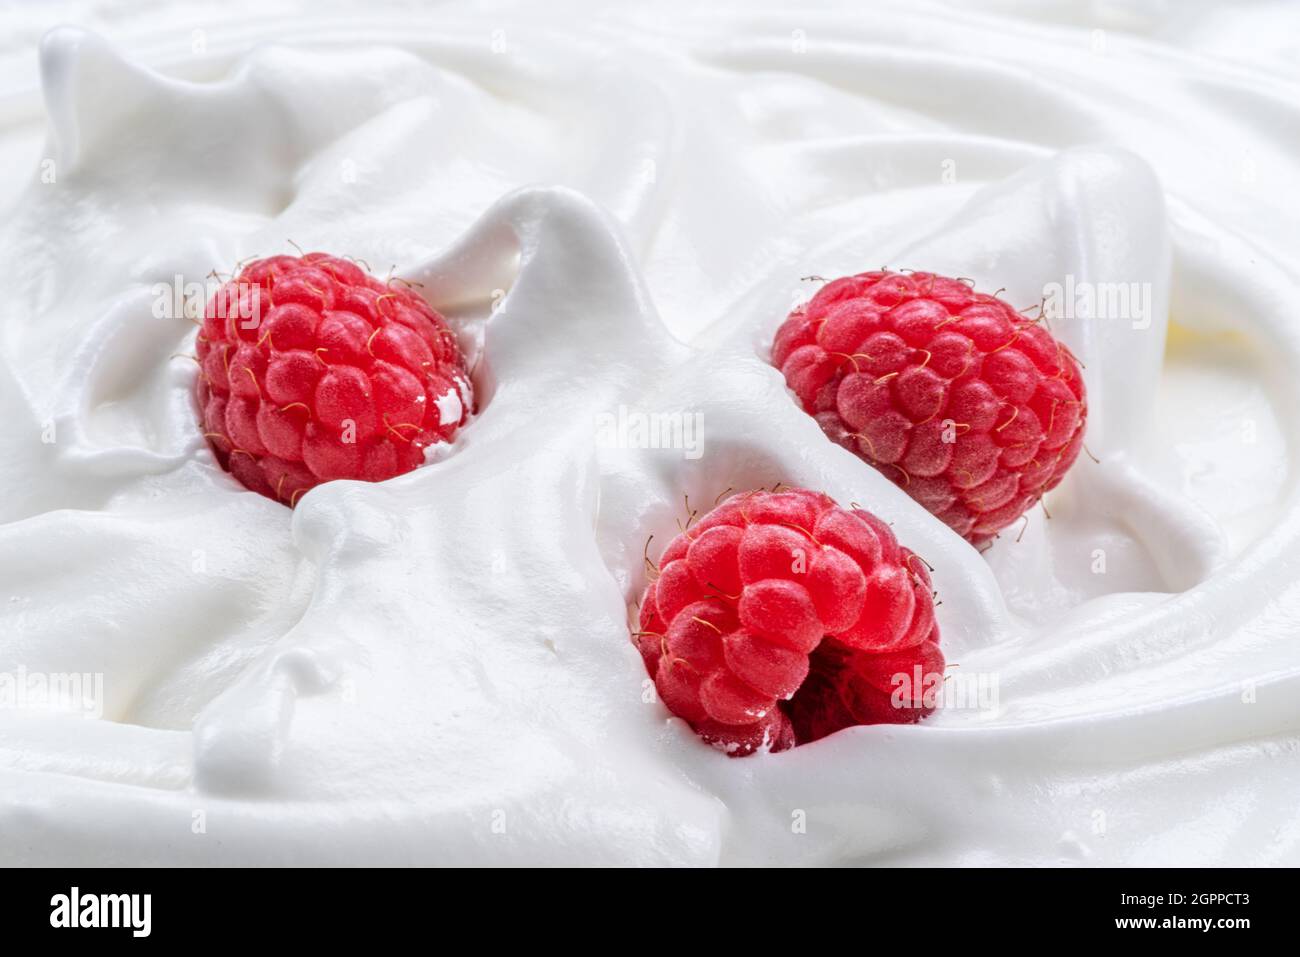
<point>311,370</point>
<point>780,618</point>
<point>975,410</point>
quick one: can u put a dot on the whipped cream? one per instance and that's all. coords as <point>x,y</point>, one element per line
<point>616,212</point>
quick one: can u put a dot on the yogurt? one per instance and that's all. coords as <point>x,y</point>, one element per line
<point>616,210</point>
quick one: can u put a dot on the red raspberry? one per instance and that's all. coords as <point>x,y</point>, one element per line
<point>973,409</point>
<point>781,617</point>
<point>312,370</point>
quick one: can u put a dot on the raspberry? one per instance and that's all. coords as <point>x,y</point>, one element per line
<point>312,370</point>
<point>973,409</point>
<point>781,617</point>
